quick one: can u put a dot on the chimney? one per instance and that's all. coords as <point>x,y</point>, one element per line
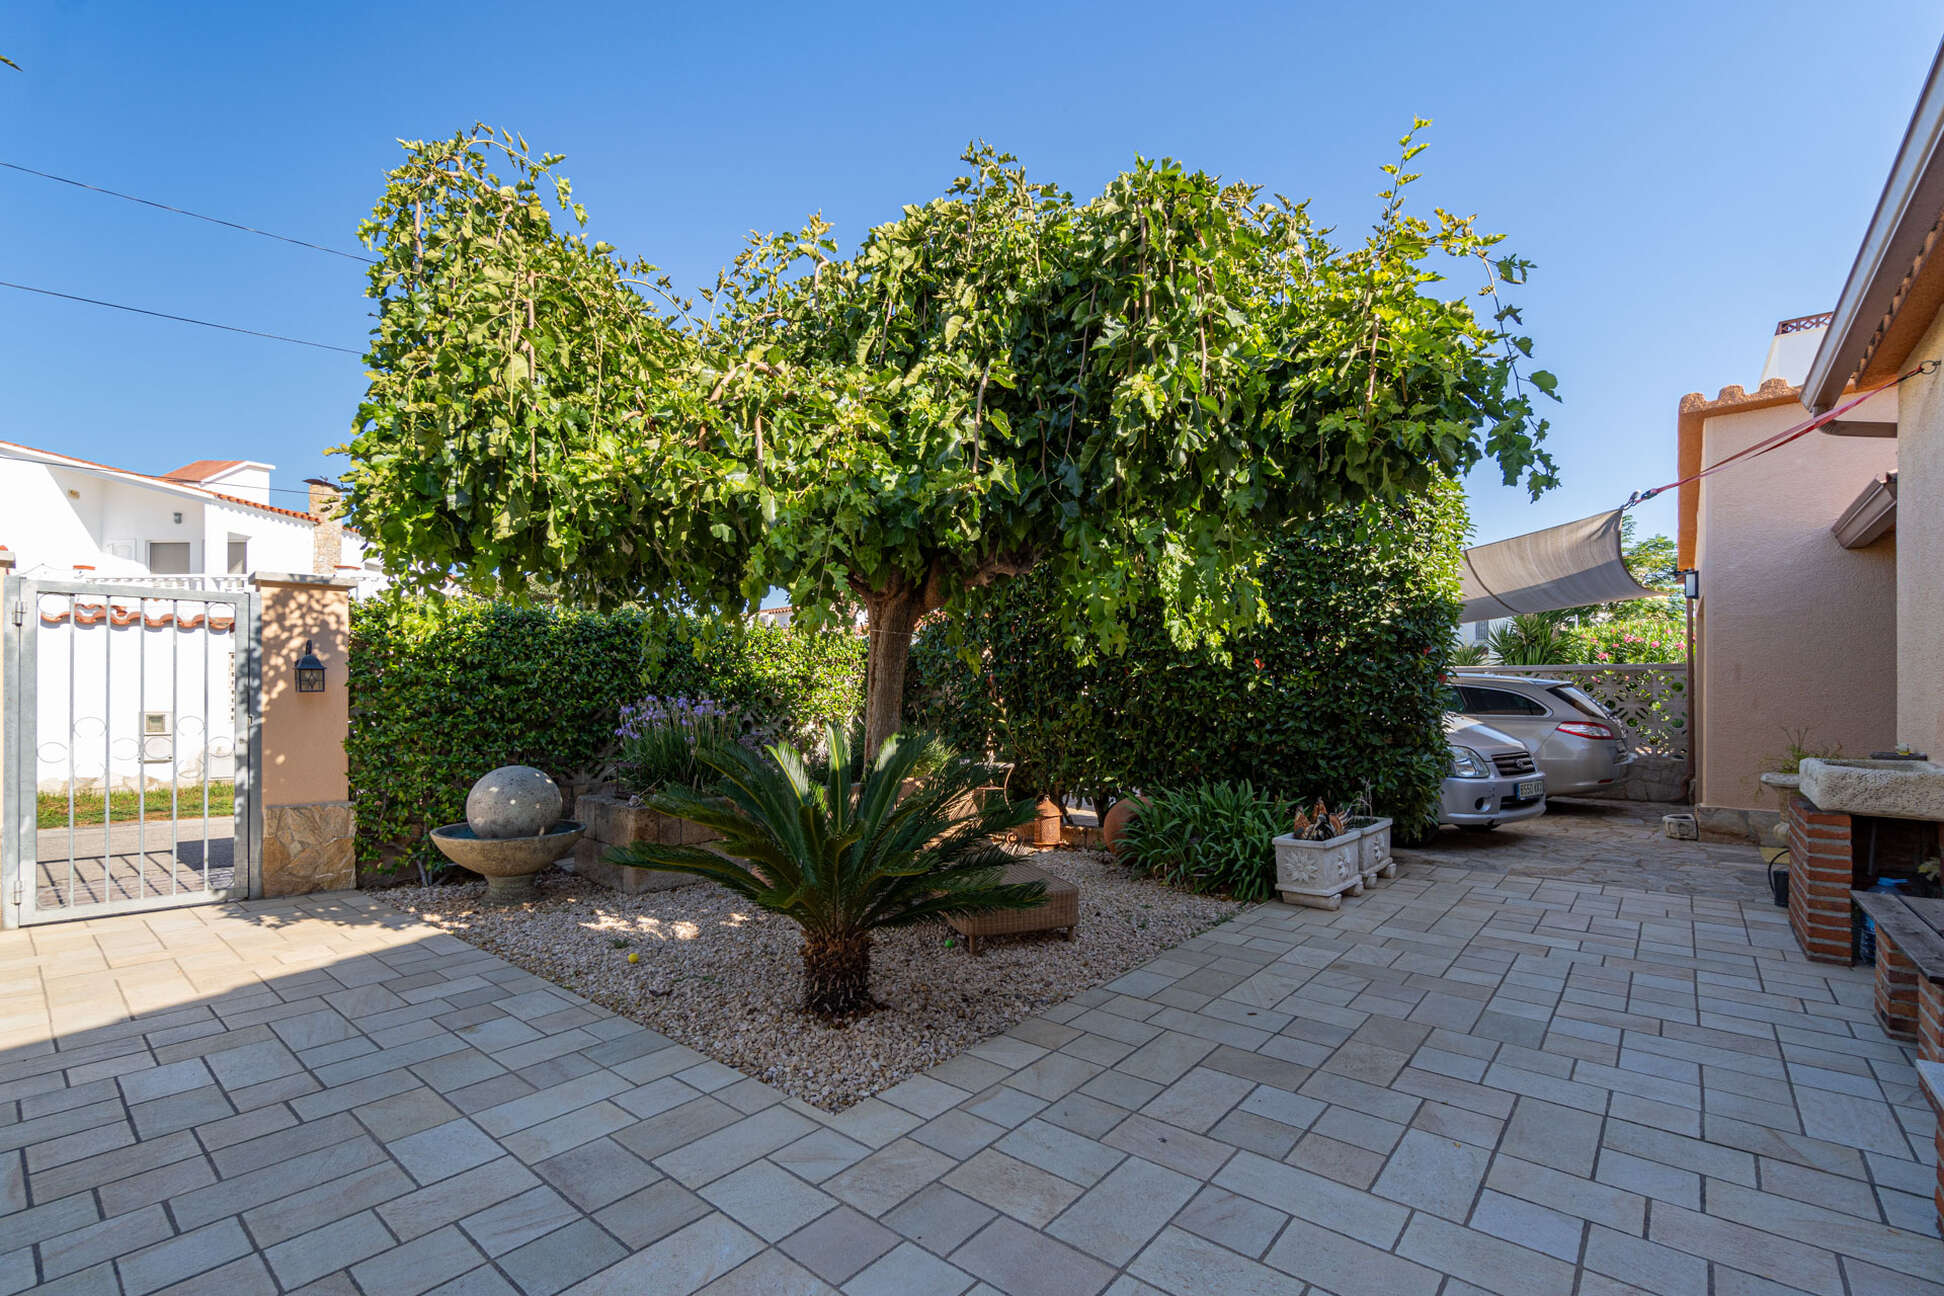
<point>327,536</point>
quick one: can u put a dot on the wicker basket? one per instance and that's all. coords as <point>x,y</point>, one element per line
<point>1060,910</point>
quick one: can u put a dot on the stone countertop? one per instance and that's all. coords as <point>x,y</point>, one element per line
<point>1888,789</point>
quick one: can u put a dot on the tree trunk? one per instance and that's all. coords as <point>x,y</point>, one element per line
<point>837,974</point>
<point>890,620</point>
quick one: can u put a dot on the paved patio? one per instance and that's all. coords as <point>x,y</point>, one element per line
<point>1470,1080</point>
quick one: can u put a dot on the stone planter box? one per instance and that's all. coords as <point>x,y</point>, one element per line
<point>1320,874</point>
<point>1374,859</point>
<point>612,822</point>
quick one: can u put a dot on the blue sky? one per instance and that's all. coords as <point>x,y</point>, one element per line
<point>1683,177</point>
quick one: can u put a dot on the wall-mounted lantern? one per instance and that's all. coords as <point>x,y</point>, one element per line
<point>310,671</point>
<point>1691,583</point>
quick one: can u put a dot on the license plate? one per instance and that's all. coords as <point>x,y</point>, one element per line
<point>1530,789</point>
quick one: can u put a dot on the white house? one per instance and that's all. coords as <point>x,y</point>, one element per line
<point>135,682</point>
<point>210,518</point>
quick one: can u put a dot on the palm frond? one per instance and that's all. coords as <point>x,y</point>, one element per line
<point>796,836</point>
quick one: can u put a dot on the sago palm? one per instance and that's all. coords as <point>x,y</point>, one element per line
<point>841,858</point>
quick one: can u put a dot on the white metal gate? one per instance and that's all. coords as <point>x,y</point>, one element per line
<point>131,763</point>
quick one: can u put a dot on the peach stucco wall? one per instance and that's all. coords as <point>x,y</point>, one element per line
<point>302,737</point>
<point>1920,551</point>
<point>1796,632</point>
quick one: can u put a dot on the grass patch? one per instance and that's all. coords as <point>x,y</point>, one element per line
<point>127,807</point>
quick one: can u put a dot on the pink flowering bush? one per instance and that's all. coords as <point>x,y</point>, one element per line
<point>1644,639</point>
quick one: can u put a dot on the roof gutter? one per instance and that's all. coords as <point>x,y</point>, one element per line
<point>1870,516</point>
<point>1863,339</point>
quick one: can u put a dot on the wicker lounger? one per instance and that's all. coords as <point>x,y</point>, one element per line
<point>1061,909</point>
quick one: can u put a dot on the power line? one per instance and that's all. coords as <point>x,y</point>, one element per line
<point>180,319</point>
<point>180,211</point>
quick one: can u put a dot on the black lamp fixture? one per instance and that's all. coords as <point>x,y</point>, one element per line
<point>1691,583</point>
<point>310,671</point>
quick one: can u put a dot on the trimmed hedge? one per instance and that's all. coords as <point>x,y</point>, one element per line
<point>1341,693</point>
<point>443,690</point>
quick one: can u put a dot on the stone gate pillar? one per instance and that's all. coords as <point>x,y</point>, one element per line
<point>307,815</point>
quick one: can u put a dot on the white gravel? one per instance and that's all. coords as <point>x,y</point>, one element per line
<point>721,976</point>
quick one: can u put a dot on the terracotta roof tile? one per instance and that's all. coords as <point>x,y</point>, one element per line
<point>171,480</point>
<point>201,470</point>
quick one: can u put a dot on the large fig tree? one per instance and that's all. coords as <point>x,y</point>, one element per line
<point>1135,391</point>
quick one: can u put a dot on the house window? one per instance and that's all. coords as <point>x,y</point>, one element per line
<point>239,557</point>
<point>169,557</point>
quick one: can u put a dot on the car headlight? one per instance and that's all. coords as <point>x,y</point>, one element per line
<point>1466,763</point>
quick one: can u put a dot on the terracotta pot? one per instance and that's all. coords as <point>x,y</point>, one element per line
<point>1117,819</point>
<point>1048,828</point>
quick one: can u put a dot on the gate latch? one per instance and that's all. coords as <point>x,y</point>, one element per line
<point>19,612</point>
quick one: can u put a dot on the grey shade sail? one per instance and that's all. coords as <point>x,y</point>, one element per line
<point>1566,566</point>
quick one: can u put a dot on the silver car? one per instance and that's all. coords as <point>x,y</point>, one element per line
<point>1493,779</point>
<point>1580,747</point>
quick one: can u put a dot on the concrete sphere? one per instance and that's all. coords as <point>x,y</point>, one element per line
<point>512,801</point>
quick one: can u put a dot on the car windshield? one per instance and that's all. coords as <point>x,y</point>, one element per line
<point>1452,701</point>
<point>1580,700</point>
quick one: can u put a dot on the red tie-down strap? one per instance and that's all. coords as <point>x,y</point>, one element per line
<point>1786,435</point>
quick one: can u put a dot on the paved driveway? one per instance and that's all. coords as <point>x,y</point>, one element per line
<point>1463,1082</point>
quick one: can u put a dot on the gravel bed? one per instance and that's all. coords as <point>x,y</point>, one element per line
<point>720,975</point>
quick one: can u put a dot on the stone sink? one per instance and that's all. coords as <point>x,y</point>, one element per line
<point>1886,789</point>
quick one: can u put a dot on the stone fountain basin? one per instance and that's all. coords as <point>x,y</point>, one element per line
<point>1886,789</point>
<point>506,857</point>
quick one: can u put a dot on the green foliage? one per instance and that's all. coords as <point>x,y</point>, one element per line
<point>1216,837</point>
<point>1341,694</point>
<point>1136,392</point>
<point>1800,749</point>
<point>126,806</point>
<point>841,858</point>
<point>1471,654</point>
<point>444,690</point>
<point>662,742</point>
<point>791,681</point>
<point>1655,562</point>
<point>1535,639</point>
<point>1656,635</point>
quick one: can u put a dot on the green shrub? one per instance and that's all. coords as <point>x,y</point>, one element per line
<point>837,846</point>
<point>1211,837</point>
<point>1535,639</point>
<point>1656,634</point>
<point>444,690</point>
<point>1338,696</point>
<point>663,742</point>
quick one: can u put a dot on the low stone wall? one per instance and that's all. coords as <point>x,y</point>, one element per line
<point>610,821</point>
<point>1731,824</point>
<point>1649,778</point>
<point>309,848</point>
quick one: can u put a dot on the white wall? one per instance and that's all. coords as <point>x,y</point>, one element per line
<point>108,523</point>
<point>94,682</point>
<point>40,523</point>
